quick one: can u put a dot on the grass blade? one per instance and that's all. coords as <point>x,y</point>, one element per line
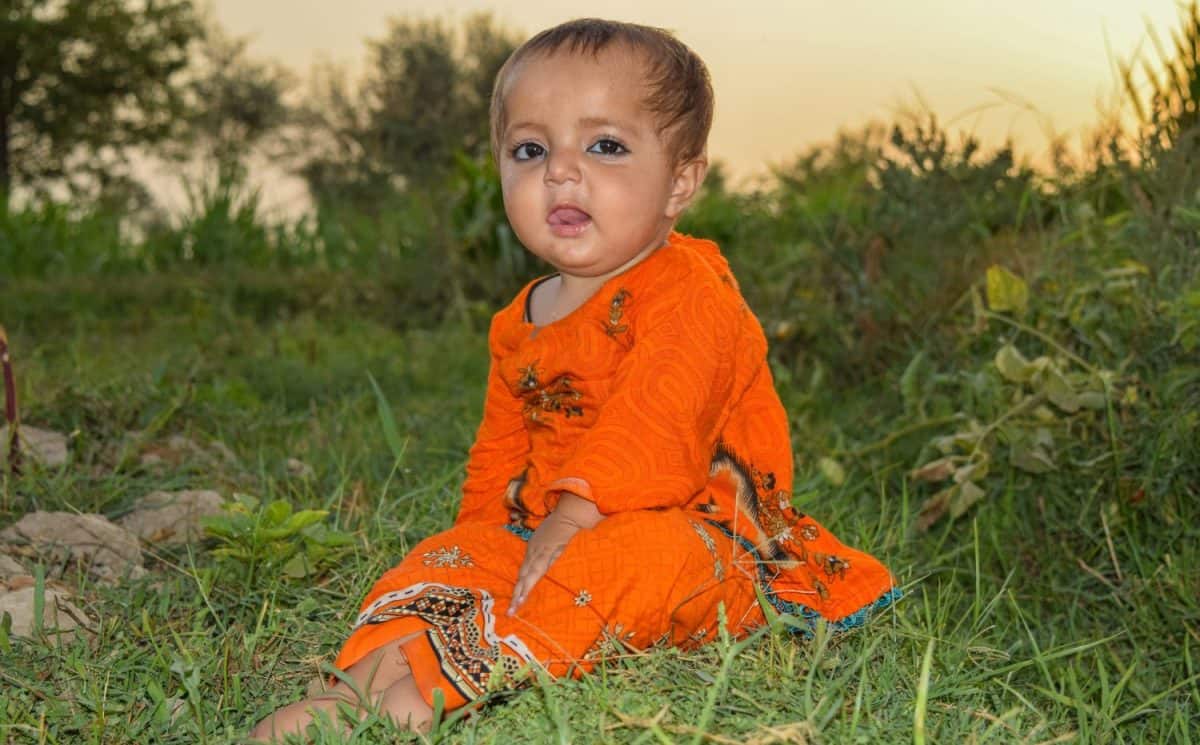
<point>391,433</point>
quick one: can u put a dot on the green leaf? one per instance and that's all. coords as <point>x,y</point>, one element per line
<point>297,567</point>
<point>219,526</point>
<point>1093,400</point>
<point>1058,389</point>
<point>391,433</point>
<point>913,382</point>
<point>768,611</point>
<point>304,518</point>
<point>276,513</point>
<point>322,535</point>
<point>1006,292</point>
<point>5,633</point>
<point>832,471</point>
<point>1013,365</point>
<point>968,494</point>
<point>1031,458</point>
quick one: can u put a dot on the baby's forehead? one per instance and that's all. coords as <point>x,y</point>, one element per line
<point>620,62</point>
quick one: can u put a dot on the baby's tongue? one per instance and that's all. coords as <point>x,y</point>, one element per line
<point>568,216</point>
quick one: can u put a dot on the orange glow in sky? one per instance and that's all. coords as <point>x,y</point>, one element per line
<point>790,73</point>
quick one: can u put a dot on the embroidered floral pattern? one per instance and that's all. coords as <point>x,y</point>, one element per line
<point>583,598</point>
<point>835,566</point>
<point>529,377</point>
<point>809,532</point>
<point>556,397</point>
<point>616,308</point>
<point>447,558</point>
<point>711,545</point>
<point>613,639</point>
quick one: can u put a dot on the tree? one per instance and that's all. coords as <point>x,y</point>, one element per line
<point>423,98</point>
<point>234,103</point>
<point>83,81</point>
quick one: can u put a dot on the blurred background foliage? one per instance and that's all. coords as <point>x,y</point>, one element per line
<point>863,257</point>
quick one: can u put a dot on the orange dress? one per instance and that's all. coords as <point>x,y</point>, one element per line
<point>655,401</point>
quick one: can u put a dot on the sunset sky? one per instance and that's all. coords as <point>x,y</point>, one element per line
<point>791,73</point>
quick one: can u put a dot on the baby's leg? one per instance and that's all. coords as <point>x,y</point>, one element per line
<point>383,676</point>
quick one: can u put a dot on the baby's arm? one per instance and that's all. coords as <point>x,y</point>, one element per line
<point>500,450</point>
<point>572,514</point>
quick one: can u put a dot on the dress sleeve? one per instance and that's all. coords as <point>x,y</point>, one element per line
<point>652,443</point>
<point>499,454</point>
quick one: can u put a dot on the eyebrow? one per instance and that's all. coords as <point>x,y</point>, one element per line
<point>591,121</point>
<point>605,122</point>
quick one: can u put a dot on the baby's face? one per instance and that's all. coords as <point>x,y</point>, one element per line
<point>589,185</point>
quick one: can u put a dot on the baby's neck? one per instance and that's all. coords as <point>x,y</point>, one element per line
<point>557,297</point>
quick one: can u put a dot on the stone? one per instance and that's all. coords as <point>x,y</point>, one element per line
<point>171,518</point>
<point>88,542</point>
<point>41,446</point>
<point>297,468</point>
<point>175,450</point>
<point>59,614</point>
<point>10,567</point>
<point>223,450</point>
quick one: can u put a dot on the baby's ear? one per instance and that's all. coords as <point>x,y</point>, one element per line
<point>686,185</point>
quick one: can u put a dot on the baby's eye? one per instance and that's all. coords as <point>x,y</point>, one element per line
<point>528,151</point>
<point>607,146</point>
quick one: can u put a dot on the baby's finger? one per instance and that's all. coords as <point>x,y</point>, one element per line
<point>519,594</point>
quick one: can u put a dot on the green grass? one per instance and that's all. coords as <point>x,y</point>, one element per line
<point>1063,606</point>
<point>1058,610</point>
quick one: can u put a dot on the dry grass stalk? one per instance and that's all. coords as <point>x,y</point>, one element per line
<point>10,407</point>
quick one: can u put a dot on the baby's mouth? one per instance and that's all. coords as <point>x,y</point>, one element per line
<point>568,221</point>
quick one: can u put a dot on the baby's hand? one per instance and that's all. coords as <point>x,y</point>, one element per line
<point>547,542</point>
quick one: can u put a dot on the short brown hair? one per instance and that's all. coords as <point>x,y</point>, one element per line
<point>680,95</point>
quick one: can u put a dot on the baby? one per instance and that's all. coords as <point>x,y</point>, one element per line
<point>632,474</point>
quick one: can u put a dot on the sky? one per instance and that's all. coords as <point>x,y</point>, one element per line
<point>791,73</point>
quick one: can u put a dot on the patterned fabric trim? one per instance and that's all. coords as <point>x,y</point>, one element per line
<point>812,617</point>
<point>520,531</point>
<point>462,631</point>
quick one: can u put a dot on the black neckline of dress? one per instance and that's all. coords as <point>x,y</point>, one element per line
<point>528,318</point>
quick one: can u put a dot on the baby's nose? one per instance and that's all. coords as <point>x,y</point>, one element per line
<point>562,167</point>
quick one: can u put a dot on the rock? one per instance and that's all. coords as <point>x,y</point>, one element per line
<point>152,460</point>
<point>171,517</point>
<point>90,542</point>
<point>223,450</point>
<point>297,468</point>
<point>175,450</point>
<point>41,446</point>
<point>59,614</point>
<point>10,567</point>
